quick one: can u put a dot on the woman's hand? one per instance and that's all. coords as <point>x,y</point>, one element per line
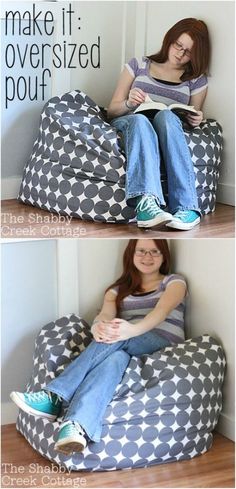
<point>123,330</point>
<point>195,120</point>
<point>112,331</point>
<point>136,97</point>
<point>105,332</point>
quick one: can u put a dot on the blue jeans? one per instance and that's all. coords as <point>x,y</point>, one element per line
<point>89,382</point>
<point>145,142</point>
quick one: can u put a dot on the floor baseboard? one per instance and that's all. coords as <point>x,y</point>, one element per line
<point>226,426</point>
<point>9,413</point>
<point>10,187</point>
<point>226,194</point>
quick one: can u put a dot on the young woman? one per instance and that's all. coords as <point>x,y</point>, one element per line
<point>175,74</point>
<point>143,311</point>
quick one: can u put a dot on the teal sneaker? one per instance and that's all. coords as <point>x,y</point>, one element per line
<point>184,220</point>
<point>71,438</point>
<point>149,213</point>
<point>42,403</point>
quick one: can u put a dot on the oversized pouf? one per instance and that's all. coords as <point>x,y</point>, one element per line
<point>164,409</point>
<point>77,167</point>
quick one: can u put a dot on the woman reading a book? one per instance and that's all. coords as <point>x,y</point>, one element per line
<point>176,74</point>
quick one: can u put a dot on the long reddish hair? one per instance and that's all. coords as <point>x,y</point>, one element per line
<point>130,281</point>
<point>200,53</point>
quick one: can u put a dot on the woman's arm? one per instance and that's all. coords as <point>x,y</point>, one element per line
<point>170,299</point>
<point>197,101</point>
<point>107,313</point>
<point>124,100</point>
<point>108,310</point>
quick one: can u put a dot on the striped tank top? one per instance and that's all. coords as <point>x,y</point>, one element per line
<point>135,307</point>
<point>160,91</point>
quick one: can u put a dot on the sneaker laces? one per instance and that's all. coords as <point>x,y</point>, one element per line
<point>38,396</point>
<point>73,425</point>
<point>43,396</point>
<point>54,398</point>
<point>181,214</point>
<point>185,214</point>
<point>148,203</point>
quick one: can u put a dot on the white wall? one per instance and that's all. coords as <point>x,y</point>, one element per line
<point>100,263</point>
<point>20,120</point>
<point>105,20</point>
<point>39,284</point>
<point>127,29</point>
<point>29,299</point>
<point>209,268</point>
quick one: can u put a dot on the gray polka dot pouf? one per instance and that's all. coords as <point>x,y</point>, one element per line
<point>164,409</point>
<point>77,167</point>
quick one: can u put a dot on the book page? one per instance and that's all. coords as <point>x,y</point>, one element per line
<point>151,106</point>
<point>187,108</point>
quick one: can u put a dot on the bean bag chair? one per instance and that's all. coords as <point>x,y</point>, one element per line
<point>164,409</point>
<point>77,166</point>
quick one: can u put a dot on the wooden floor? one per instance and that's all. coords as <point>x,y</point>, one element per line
<point>23,221</point>
<point>215,469</point>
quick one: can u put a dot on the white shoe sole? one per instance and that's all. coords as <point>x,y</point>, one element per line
<point>183,226</point>
<point>27,409</point>
<point>71,445</point>
<point>161,221</point>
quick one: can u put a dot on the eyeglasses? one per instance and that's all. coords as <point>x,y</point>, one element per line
<point>179,47</point>
<point>154,253</point>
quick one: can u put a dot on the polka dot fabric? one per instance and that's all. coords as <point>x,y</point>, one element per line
<point>164,409</point>
<point>77,166</point>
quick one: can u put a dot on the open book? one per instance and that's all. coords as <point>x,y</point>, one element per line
<point>153,107</point>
